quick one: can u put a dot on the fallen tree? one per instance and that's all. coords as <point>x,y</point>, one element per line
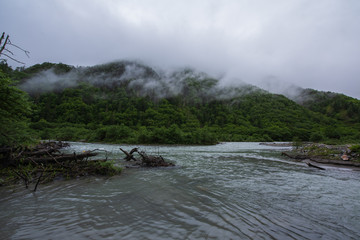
<point>145,160</point>
<point>314,166</point>
<point>43,153</point>
<point>59,158</point>
<point>44,162</point>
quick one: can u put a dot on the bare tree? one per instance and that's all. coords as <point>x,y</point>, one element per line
<point>4,51</point>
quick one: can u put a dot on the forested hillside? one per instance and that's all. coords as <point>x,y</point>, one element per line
<point>334,105</point>
<point>128,102</point>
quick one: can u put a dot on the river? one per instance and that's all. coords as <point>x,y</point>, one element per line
<point>227,191</point>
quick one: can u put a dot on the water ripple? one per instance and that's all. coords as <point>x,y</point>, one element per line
<point>228,191</point>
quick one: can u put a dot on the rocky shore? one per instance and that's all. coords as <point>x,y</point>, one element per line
<point>339,155</point>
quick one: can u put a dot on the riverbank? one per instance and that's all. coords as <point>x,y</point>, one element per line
<point>335,155</point>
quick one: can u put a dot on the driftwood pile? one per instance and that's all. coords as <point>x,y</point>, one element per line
<point>44,162</point>
<point>145,160</point>
<point>43,153</point>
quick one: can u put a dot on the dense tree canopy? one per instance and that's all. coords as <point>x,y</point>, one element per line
<point>128,102</point>
<point>14,107</point>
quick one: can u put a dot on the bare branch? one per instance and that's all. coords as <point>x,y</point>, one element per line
<point>38,181</point>
<point>2,37</point>
<point>4,48</point>
<point>12,58</point>
<point>25,51</point>
<point>7,50</point>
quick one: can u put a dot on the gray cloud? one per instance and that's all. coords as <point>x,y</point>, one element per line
<point>312,44</point>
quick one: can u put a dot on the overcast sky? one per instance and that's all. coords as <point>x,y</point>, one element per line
<point>309,43</point>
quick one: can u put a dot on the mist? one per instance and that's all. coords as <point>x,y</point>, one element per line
<point>310,44</point>
<point>49,81</point>
<point>141,79</point>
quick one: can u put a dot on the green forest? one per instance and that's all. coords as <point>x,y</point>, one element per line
<point>129,102</point>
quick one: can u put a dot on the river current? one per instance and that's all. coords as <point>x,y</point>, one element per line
<point>227,191</point>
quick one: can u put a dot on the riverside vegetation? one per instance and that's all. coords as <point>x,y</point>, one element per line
<point>128,102</point>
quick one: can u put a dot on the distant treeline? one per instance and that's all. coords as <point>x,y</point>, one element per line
<point>127,102</point>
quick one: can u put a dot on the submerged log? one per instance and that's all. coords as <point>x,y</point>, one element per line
<point>314,166</point>
<point>336,162</point>
<point>146,160</point>
<point>321,159</point>
<point>154,161</point>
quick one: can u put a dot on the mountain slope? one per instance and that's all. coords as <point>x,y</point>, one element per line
<point>334,105</point>
<point>131,102</point>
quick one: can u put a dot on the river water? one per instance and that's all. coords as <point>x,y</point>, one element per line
<point>227,191</point>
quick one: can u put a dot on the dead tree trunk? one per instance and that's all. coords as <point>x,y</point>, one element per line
<point>146,160</point>
<point>314,166</point>
<point>59,158</point>
<point>130,156</point>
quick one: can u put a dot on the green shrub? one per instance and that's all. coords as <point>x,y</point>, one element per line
<point>71,133</point>
<point>107,168</point>
<point>355,148</point>
<point>117,133</point>
<point>316,137</point>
